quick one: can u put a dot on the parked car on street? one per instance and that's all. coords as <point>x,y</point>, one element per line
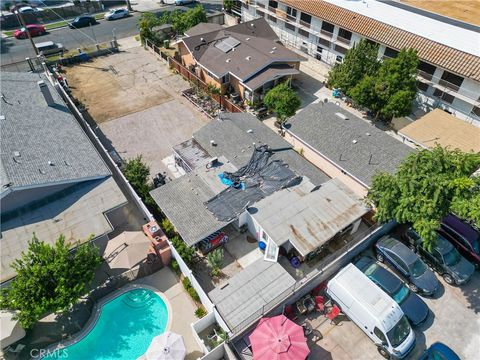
<point>28,9</point>
<point>33,29</point>
<point>116,14</point>
<point>443,258</point>
<point>439,351</point>
<point>407,264</point>
<point>183,2</point>
<point>49,48</point>
<point>82,21</point>
<point>463,236</point>
<point>411,304</point>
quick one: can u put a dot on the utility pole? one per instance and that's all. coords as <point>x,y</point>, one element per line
<point>20,19</point>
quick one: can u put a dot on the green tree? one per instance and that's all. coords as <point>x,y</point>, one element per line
<point>283,101</point>
<point>390,92</point>
<point>182,21</point>
<point>50,278</point>
<point>215,258</point>
<point>428,185</point>
<point>137,174</point>
<point>361,60</point>
<point>146,22</point>
<point>227,5</point>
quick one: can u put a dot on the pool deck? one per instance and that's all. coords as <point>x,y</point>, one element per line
<point>183,307</point>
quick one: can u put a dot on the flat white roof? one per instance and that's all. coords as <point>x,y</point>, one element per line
<point>443,33</point>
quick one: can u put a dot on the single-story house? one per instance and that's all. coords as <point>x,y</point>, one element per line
<point>343,145</point>
<point>439,127</point>
<point>284,200</point>
<point>246,59</point>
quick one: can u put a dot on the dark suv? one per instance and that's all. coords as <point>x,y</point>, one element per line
<point>443,258</point>
<point>463,236</point>
<point>82,21</point>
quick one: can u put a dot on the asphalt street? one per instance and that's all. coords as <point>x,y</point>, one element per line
<point>14,50</point>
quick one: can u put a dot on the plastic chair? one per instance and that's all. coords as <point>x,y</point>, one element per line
<point>333,313</point>
<point>320,303</point>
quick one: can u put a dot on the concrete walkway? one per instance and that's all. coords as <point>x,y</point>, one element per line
<point>183,307</point>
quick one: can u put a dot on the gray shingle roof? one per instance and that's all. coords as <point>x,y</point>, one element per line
<point>182,200</point>
<point>249,290</point>
<point>39,134</point>
<point>374,150</point>
<point>235,134</point>
<point>261,51</point>
<point>203,28</point>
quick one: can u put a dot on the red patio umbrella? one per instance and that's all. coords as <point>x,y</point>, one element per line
<point>278,338</point>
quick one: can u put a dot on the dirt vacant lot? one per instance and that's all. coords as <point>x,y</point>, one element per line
<point>464,10</point>
<point>136,101</point>
<point>121,84</point>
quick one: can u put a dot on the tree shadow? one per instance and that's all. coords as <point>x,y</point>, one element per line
<point>471,291</point>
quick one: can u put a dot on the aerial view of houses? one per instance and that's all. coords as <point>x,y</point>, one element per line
<point>240,180</point>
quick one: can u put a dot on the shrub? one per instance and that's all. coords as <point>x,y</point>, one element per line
<point>168,228</point>
<point>191,291</point>
<point>200,312</point>
<point>186,283</point>
<point>175,267</point>
<point>215,258</point>
<point>215,272</point>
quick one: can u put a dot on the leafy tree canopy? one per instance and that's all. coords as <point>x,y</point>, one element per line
<point>361,60</point>
<point>50,278</point>
<point>282,100</point>
<point>227,5</point>
<point>137,173</point>
<point>391,90</point>
<point>427,186</point>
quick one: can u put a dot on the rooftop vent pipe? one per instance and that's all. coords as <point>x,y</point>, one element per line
<point>341,116</point>
<point>46,93</point>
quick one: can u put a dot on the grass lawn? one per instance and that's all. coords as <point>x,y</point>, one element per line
<point>55,25</point>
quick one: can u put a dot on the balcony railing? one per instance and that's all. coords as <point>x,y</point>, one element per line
<point>343,40</point>
<point>326,33</point>
<point>449,85</point>
<point>281,14</point>
<point>305,24</point>
<point>425,75</point>
<point>272,9</point>
<point>262,5</point>
<point>291,18</point>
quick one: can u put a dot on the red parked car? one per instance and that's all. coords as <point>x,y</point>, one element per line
<point>33,29</point>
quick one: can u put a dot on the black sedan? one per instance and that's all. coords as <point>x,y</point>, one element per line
<point>443,258</point>
<point>82,21</point>
<point>411,304</point>
<point>407,264</point>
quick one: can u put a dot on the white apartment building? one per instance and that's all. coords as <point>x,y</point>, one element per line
<point>449,50</point>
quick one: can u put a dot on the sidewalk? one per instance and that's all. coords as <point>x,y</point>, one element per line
<point>147,5</point>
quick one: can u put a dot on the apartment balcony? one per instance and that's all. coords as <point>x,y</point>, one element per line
<point>281,14</point>
<point>291,18</point>
<point>305,24</point>
<point>326,34</point>
<point>261,5</point>
<point>424,76</point>
<point>448,85</point>
<point>343,40</point>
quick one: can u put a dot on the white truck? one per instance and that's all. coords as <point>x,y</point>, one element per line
<point>376,313</point>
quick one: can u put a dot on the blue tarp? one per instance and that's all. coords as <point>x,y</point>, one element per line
<point>229,182</point>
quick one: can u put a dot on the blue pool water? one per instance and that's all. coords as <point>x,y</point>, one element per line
<point>123,331</point>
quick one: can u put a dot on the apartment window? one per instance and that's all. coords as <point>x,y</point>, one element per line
<point>226,78</point>
<point>291,11</point>
<point>476,111</point>
<point>260,13</point>
<point>371,42</point>
<point>272,18</point>
<point>273,4</point>
<point>340,49</point>
<point>324,42</point>
<point>345,34</point>
<point>428,68</point>
<point>306,18</point>
<point>448,98</point>
<point>339,59</point>
<point>290,27</point>
<point>320,49</point>
<point>422,86</point>
<point>390,53</point>
<point>451,81</point>
<point>327,27</point>
<point>303,33</point>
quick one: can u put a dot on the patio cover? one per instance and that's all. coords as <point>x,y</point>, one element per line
<point>439,127</point>
<point>10,330</point>
<point>308,216</point>
<point>271,72</point>
<point>250,290</point>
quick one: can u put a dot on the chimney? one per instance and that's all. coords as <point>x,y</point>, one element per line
<point>46,93</point>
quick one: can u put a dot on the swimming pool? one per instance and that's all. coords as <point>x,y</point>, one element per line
<point>124,329</point>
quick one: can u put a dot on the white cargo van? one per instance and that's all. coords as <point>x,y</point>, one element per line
<point>376,313</point>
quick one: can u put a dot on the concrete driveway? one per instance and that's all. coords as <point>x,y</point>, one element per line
<point>137,104</point>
